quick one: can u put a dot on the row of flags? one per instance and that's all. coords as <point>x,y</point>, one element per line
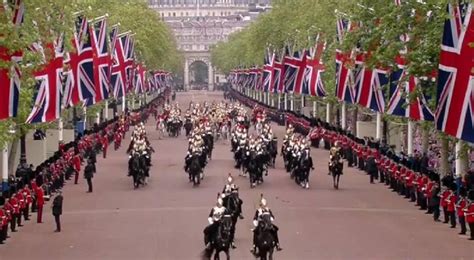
<point>300,72</point>
<point>102,64</point>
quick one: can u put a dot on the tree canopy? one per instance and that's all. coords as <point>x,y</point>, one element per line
<point>45,20</point>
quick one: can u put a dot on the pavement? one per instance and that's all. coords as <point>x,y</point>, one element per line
<point>165,219</point>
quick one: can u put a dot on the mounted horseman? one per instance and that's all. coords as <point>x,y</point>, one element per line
<point>335,164</point>
<point>218,234</point>
<point>265,233</point>
<point>232,202</point>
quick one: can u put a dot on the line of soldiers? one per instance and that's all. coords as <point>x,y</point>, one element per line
<point>32,188</point>
<point>408,176</point>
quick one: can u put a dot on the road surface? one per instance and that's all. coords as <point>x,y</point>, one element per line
<point>165,219</point>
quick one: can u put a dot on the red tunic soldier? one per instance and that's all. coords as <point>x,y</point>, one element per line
<point>76,164</point>
<point>105,145</point>
<point>39,203</point>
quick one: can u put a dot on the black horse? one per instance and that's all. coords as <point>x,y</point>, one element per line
<point>305,163</point>
<point>265,239</point>
<point>188,126</point>
<point>272,149</point>
<point>254,168</point>
<point>233,204</point>
<point>137,166</point>
<point>194,169</point>
<point>220,241</point>
<point>174,128</point>
<point>209,143</point>
<point>335,167</point>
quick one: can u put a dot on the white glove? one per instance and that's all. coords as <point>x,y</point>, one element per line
<point>255,223</point>
<point>210,220</point>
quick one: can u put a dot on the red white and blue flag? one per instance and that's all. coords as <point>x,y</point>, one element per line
<point>295,66</point>
<point>345,90</point>
<point>119,71</point>
<point>369,83</point>
<point>313,83</point>
<point>47,97</point>
<point>455,95</point>
<point>140,79</point>
<point>101,60</point>
<point>268,71</point>
<point>10,77</point>
<point>278,78</point>
<point>81,63</point>
<point>402,85</point>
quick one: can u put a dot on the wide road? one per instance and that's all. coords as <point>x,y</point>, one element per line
<point>165,219</point>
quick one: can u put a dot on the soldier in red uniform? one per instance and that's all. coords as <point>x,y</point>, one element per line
<point>22,204</point>
<point>8,207</point>
<point>39,203</point>
<point>16,218</point>
<point>28,201</point>
<point>460,206</point>
<point>105,145</point>
<point>3,225</point>
<point>451,205</point>
<point>76,164</point>
<point>444,205</point>
<point>469,213</point>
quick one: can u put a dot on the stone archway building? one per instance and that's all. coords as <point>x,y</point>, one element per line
<point>200,24</point>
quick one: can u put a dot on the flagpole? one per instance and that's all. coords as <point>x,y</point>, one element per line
<point>98,18</point>
<point>279,101</point>
<point>60,130</point>
<point>410,137</point>
<point>285,98</point>
<point>328,112</point>
<point>343,116</point>
<point>97,119</point>
<point>378,125</point>
<point>302,104</point>
<point>5,167</point>
<point>459,159</point>
<point>85,117</point>
<point>123,104</point>
<point>292,102</point>
<point>106,112</point>
<point>314,108</point>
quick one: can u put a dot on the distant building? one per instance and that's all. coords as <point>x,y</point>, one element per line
<point>200,24</point>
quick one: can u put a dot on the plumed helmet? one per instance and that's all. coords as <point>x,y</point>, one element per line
<point>230,180</point>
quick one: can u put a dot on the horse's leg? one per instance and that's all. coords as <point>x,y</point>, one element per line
<point>337,185</point>
<point>227,254</point>
<point>334,180</point>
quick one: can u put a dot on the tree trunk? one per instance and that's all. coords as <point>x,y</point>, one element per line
<point>425,134</point>
<point>444,165</point>
<point>12,156</point>
<point>355,113</point>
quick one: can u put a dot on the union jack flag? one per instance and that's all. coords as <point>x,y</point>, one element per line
<point>10,77</point>
<point>47,98</point>
<point>81,63</point>
<point>295,66</point>
<point>101,59</point>
<point>345,89</point>
<point>140,79</point>
<point>401,86</point>
<point>278,78</point>
<point>369,83</point>
<point>313,83</point>
<point>119,72</point>
<point>455,96</point>
<point>130,61</point>
<point>267,72</point>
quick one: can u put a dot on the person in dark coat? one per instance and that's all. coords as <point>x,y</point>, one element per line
<point>371,167</point>
<point>58,210</point>
<point>89,171</point>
